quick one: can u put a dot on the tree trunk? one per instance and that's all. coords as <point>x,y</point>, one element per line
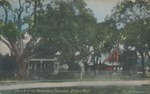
<point>86,67</point>
<point>95,66</point>
<point>143,63</point>
<point>147,53</point>
<point>35,11</point>
<point>126,62</point>
<point>21,69</point>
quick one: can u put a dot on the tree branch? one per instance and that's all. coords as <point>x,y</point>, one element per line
<point>6,42</point>
<point>6,13</point>
<point>15,48</point>
<point>26,59</point>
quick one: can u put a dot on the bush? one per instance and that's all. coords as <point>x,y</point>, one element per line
<point>7,67</point>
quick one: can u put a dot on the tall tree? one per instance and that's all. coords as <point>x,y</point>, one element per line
<point>13,34</point>
<point>68,25</point>
<point>133,18</point>
<point>63,26</point>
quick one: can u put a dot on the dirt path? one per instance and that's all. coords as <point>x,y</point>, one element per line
<point>73,84</point>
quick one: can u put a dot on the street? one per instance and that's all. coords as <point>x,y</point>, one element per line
<point>74,84</point>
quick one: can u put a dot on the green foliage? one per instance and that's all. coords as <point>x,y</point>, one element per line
<point>106,35</point>
<point>67,26</point>
<point>129,11</point>
<point>133,17</point>
<point>7,67</point>
<point>9,30</point>
<point>4,3</point>
<point>1,26</point>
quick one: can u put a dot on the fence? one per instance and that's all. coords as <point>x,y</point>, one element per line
<point>74,75</point>
<point>92,75</point>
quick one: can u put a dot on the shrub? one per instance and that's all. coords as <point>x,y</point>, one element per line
<point>7,67</point>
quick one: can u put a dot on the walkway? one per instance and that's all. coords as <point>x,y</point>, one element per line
<point>74,84</point>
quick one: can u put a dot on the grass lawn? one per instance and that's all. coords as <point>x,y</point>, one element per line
<point>78,78</point>
<point>83,90</point>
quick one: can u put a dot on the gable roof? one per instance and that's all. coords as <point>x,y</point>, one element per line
<point>114,56</point>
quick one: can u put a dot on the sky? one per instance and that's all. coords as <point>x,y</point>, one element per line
<point>101,8</point>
